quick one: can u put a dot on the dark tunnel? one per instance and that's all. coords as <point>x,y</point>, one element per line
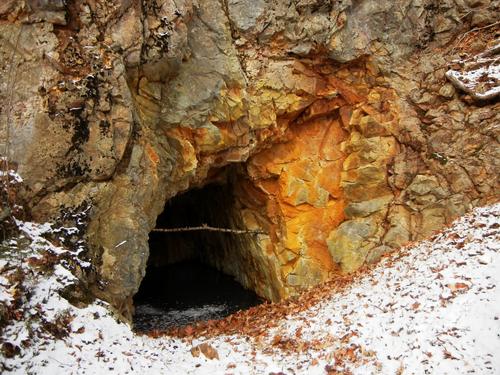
<point>188,277</point>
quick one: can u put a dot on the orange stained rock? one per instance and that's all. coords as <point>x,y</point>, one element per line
<point>333,136</point>
<point>329,178</point>
<point>345,114</point>
<point>331,153</point>
<point>307,229</point>
<point>301,180</point>
<point>322,107</point>
<point>345,90</point>
<point>180,133</point>
<point>153,156</point>
<point>184,145</point>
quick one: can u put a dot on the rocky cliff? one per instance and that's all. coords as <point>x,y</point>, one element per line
<point>347,139</point>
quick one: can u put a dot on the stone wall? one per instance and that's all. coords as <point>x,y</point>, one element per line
<point>352,141</point>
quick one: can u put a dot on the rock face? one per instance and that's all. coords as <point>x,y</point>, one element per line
<point>349,139</point>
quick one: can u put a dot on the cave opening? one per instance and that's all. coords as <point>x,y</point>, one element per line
<point>191,275</point>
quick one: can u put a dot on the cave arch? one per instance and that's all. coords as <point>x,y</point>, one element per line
<point>198,275</point>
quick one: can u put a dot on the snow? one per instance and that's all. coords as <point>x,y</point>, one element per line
<point>471,79</point>
<point>5,295</point>
<point>121,243</point>
<point>432,308</point>
<point>14,177</point>
<point>479,75</point>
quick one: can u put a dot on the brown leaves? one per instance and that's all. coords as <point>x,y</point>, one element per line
<point>457,287</point>
<point>342,355</point>
<point>45,262</point>
<point>276,340</point>
<point>206,349</point>
<point>16,287</point>
<point>257,321</point>
<point>290,344</point>
<point>155,333</point>
<point>349,354</point>
<point>188,330</point>
<point>448,355</point>
<point>10,350</point>
<point>60,327</point>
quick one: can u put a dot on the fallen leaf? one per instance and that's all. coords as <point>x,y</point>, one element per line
<point>206,349</point>
<point>276,340</point>
<point>458,286</point>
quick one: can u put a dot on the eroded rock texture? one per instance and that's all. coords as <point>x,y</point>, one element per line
<point>349,139</point>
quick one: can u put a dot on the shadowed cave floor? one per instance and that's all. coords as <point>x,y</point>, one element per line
<point>185,293</point>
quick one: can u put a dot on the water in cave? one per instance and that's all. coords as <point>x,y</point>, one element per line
<point>183,282</point>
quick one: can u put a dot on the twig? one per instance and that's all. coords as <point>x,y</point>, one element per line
<point>205,227</point>
<point>470,31</point>
<point>483,27</point>
<point>476,10</point>
<point>61,363</point>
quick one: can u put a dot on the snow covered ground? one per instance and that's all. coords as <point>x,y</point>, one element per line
<point>478,75</point>
<point>433,308</point>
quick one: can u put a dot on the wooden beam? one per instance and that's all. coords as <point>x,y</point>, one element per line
<point>205,227</point>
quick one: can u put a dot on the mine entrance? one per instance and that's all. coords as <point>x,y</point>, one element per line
<point>190,274</point>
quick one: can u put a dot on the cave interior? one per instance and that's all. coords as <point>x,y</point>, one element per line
<point>192,275</point>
